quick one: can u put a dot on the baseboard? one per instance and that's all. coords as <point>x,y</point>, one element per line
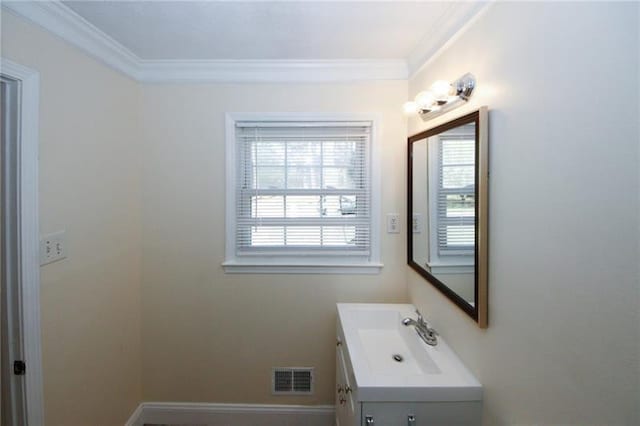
<point>212,414</point>
<point>136,417</point>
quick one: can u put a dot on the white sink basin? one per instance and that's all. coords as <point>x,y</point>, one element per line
<point>391,363</point>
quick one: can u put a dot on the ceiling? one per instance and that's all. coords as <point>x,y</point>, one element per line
<point>270,30</point>
<point>258,40</point>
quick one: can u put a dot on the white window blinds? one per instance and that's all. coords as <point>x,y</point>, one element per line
<point>303,188</point>
<point>456,195</point>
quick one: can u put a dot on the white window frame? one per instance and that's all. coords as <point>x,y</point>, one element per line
<point>312,264</point>
<point>441,264</point>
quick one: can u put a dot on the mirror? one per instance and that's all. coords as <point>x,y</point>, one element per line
<point>447,195</point>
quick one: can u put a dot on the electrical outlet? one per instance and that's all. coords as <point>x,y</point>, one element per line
<point>393,223</point>
<point>53,247</point>
<point>417,223</point>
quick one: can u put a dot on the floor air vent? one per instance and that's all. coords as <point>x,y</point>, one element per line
<point>292,381</point>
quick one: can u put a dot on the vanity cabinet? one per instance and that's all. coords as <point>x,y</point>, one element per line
<point>347,404</point>
<point>354,408</point>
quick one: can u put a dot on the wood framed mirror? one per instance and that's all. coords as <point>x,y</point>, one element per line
<point>447,243</point>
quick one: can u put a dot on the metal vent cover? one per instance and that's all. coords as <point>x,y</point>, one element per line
<point>292,381</point>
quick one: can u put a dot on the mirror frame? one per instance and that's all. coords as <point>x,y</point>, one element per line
<point>479,312</point>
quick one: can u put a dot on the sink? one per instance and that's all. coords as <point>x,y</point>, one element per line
<point>391,363</point>
<point>388,353</point>
<point>390,347</point>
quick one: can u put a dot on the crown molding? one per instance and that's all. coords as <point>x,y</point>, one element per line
<point>279,71</point>
<point>73,28</point>
<point>455,21</point>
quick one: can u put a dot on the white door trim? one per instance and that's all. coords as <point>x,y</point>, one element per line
<point>29,233</point>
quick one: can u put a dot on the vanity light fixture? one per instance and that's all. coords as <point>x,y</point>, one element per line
<point>442,97</point>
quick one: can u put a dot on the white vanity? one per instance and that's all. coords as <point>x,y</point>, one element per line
<point>387,376</point>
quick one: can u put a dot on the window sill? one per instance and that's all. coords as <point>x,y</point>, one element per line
<point>451,268</point>
<point>235,267</point>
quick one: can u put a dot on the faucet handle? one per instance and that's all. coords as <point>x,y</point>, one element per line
<point>420,318</point>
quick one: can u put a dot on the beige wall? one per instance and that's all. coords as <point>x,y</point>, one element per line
<point>208,336</point>
<point>89,185</point>
<point>562,345</point>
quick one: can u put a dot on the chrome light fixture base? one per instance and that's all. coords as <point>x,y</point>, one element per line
<point>462,89</point>
<point>464,86</point>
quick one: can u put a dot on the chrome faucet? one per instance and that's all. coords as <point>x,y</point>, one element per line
<point>426,333</point>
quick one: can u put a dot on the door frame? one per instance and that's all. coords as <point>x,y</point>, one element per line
<point>29,106</point>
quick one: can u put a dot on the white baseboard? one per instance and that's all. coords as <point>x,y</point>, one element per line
<point>212,414</point>
<point>136,417</point>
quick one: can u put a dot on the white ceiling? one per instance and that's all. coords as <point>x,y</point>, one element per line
<point>276,30</point>
<point>255,41</point>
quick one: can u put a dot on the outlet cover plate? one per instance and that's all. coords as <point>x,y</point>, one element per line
<point>393,223</point>
<point>53,247</point>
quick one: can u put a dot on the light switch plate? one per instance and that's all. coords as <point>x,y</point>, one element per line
<point>53,247</point>
<point>393,223</point>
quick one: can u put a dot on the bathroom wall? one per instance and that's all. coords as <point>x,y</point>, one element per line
<point>562,345</point>
<point>89,185</point>
<point>213,337</point>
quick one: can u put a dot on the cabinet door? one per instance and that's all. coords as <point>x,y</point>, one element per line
<point>347,405</point>
<point>342,413</point>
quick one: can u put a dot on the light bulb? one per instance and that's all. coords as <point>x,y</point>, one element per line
<point>441,90</point>
<point>424,100</point>
<point>410,108</point>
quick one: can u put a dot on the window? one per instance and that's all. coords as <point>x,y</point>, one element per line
<point>452,198</point>
<point>300,195</point>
